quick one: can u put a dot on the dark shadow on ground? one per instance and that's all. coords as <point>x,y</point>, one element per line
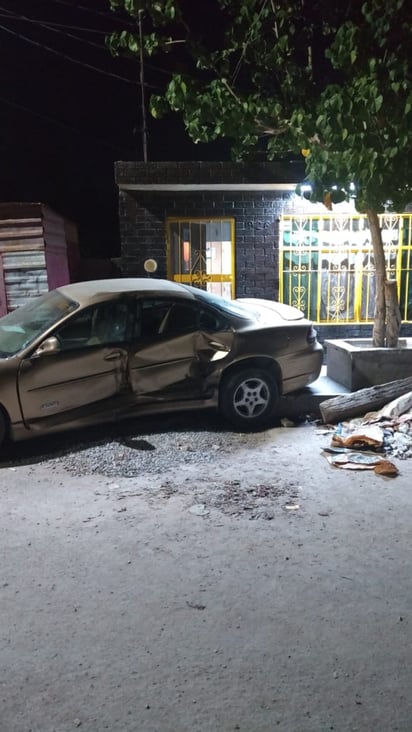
<point>297,406</point>
<point>128,432</point>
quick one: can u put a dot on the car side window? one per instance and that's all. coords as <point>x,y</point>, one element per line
<point>181,318</point>
<point>76,332</point>
<point>153,314</point>
<point>103,324</point>
<point>212,321</point>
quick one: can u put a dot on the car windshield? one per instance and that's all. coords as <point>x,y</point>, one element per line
<point>22,326</point>
<point>232,307</point>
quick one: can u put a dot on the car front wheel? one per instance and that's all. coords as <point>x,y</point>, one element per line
<point>249,397</point>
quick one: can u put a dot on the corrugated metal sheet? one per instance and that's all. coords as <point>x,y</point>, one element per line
<point>25,276</point>
<point>33,252</point>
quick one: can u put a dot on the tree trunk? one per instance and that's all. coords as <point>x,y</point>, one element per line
<point>393,313</point>
<point>362,401</point>
<point>379,326</point>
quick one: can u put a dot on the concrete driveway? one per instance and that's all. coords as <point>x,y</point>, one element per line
<point>126,606</point>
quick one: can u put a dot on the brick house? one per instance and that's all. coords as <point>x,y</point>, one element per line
<point>239,229</point>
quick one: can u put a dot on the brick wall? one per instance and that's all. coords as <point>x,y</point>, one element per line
<point>288,171</point>
<point>143,215</point>
<point>256,215</point>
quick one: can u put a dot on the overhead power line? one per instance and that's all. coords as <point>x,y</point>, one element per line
<point>40,24</point>
<point>66,57</point>
<point>48,26</point>
<point>58,123</point>
<point>103,13</point>
<point>10,14</point>
<point>100,47</point>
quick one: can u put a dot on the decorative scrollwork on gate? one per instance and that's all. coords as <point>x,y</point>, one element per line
<point>299,297</point>
<point>199,278</point>
<point>337,304</point>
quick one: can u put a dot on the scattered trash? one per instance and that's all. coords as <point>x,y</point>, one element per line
<point>387,431</point>
<point>292,506</point>
<point>338,450</point>
<point>259,501</point>
<point>357,458</point>
<point>195,605</point>
<point>362,437</point>
<point>285,422</point>
<point>360,461</point>
<point>199,509</point>
<point>397,407</point>
<point>262,513</point>
<point>385,467</point>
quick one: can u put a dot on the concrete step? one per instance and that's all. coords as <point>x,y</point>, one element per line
<point>307,401</point>
<point>327,387</point>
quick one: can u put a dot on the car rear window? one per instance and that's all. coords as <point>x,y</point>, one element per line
<point>231,307</point>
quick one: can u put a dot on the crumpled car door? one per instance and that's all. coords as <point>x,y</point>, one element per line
<point>212,348</point>
<point>165,369</point>
<point>174,361</point>
<point>179,367</point>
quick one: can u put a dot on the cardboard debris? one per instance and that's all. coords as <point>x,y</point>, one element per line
<point>360,461</point>
<point>395,408</point>
<point>363,437</point>
<point>387,431</point>
<point>385,467</point>
<point>367,461</point>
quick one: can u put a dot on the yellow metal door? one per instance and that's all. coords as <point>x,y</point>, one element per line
<point>201,253</point>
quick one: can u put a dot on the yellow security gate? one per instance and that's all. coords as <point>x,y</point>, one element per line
<point>201,253</point>
<point>327,265</point>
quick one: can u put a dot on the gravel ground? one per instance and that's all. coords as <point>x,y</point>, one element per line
<point>154,453</point>
<point>209,463</point>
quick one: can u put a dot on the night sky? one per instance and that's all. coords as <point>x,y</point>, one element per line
<point>63,123</point>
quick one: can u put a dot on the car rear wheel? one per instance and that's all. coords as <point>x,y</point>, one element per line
<point>249,397</point>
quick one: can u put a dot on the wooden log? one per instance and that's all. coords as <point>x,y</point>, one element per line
<point>362,401</point>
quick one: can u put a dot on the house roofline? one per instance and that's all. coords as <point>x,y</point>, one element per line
<point>285,187</point>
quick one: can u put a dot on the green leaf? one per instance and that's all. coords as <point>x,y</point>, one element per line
<point>254,84</point>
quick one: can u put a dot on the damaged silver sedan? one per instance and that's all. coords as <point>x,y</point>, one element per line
<point>105,350</point>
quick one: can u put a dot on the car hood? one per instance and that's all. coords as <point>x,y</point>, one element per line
<point>268,310</point>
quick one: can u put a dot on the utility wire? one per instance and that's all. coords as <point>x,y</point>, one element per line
<point>58,123</point>
<point>68,58</point>
<point>12,16</point>
<point>47,26</point>
<point>103,13</point>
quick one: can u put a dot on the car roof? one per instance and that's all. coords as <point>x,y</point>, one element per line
<point>95,289</point>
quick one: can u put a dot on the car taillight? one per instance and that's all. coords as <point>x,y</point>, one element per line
<point>311,335</point>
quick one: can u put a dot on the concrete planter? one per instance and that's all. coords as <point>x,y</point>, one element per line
<point>357,364</point>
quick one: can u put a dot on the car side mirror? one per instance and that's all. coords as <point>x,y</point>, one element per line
<point>47,348</point>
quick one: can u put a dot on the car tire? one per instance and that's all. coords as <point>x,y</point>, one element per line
<point>3,428</point>
<point>248,398</point>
